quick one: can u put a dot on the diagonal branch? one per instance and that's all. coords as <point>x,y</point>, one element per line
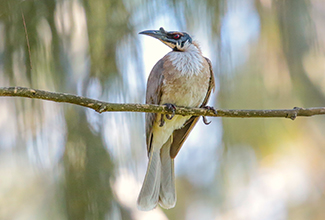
<point>101,106</point>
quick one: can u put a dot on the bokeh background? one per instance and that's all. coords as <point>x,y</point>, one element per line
<point>60,161</point>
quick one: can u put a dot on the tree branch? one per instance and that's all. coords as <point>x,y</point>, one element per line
<point>100,106</point>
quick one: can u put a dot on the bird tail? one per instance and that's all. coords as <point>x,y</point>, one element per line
<point>159,183</point>
<point>149,194</point>
<point>167,195</point>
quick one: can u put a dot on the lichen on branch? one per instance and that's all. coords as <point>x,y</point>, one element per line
<point>101,106</point>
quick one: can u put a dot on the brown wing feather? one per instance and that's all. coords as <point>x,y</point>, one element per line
<point>153,96</point>
<point>180,135</point>
<point>212,84</point>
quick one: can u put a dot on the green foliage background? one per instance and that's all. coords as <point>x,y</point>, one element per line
<point>65,162</point>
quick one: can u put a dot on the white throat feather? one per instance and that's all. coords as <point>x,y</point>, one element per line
<point>188,60</point>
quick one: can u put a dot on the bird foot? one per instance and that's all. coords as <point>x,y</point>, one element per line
<point>211,109</point>
<point>170,107</point>
<point>205,120</point>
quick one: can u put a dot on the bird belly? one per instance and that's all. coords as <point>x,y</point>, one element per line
<point>180,90</point>
<point>185,90</point>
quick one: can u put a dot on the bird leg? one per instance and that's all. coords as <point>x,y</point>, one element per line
<point>170,107</point>
<point>205,121</point>
<point>162,121</point>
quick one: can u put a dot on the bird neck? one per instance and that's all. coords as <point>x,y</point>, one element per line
<point>188,47</point>
<point>188,61</point>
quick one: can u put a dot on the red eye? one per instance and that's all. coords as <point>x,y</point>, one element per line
<point>176,36</point>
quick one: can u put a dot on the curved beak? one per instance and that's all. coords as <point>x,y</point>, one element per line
<point>161,35</point>
<point>158,34</point>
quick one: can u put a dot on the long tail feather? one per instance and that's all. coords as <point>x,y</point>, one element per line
<point>149,194</point>
<point>167,195</point>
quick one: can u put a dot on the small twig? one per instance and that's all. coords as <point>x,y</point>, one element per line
<point>100,106</point>
<point>27,40</point>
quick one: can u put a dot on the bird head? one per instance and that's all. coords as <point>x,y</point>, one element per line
<point>176,40</point>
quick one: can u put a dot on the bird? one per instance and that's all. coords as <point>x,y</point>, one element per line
<point>183,77</point>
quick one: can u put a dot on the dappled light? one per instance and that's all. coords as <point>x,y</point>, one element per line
<point>63,161</point>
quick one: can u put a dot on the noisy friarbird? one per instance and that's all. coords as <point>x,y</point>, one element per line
<point>183,77</point>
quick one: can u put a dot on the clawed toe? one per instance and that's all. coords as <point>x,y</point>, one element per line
<point>211,108</point>
<point>205,121</point>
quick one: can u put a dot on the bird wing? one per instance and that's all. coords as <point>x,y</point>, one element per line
<point>153,96</point>
<point>180,135</point>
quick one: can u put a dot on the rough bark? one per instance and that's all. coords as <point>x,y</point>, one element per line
<point>101,106</point>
